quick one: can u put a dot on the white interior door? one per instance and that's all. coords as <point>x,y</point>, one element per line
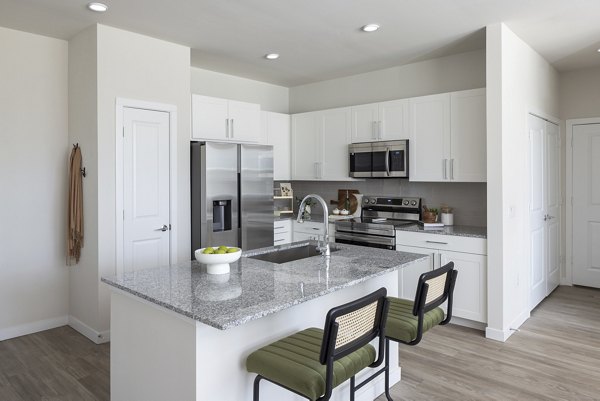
<point>537,211</point>
<point>586,205</point>
<point>146,225</point>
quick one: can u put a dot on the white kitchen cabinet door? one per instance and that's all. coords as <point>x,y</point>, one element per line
<point>244,120</point>
<point>278,135</point>
<point>365,122</point>
<point>429,137</point>
<point>305,146</point>
<point>470,291</point>
<point>335,137</point>
<point>468,136</point>
<point>299,236</point>
<point>409,276</point>
<point>393,120</point>
<point>209,118</point>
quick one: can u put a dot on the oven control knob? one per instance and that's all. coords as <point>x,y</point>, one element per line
<point>366,201</point>
<point>413,203</point>
<point>405,203</point>
<point>373,201</point>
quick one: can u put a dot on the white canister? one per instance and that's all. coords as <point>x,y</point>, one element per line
<point>448,219</point>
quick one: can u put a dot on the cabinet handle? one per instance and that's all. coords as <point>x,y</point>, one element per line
<point>226,128</point>
<point>232,128</point>
<point>315,228</point>
<point>373,130</point>
<point>277,228</point>
<point>451,169</point>
<point>444,168</point>
<point>437,242</point>
<point>279,240</point>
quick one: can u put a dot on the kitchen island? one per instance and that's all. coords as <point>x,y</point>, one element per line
<point>178,333</point>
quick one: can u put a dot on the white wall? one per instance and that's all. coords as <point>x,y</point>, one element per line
<point>270,97</point>
<point>138,67</point>
<point>520,81</point>
<point>33,182</point>
<point>580,94</point>
<point>444,74</point>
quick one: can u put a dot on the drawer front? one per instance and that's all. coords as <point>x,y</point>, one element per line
<point>442,242</point>
<point>282,226</point>
<point>282,238</point>
<point>309,227</point>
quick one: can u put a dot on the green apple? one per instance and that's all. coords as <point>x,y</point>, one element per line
<point>220,252</point>
<point>232,250</point>
<point>208,251</point>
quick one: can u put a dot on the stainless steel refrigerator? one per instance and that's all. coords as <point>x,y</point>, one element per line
<point>232,195</point>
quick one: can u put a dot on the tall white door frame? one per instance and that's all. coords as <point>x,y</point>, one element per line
<point>121,104</point>
<point>570,124</point>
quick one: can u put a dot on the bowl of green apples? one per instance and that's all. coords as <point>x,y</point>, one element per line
<point>217,259</point>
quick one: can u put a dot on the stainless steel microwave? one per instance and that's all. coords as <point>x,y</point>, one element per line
<point>379,159</point>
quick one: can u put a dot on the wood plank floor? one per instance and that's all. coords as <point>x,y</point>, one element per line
<point>54,365</point>
<point>555,356</point>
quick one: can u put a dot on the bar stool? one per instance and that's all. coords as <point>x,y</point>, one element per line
<point>408,320</point>
<point>312,362</point>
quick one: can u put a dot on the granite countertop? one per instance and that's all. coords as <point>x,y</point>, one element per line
<point>255,288</point>
<point>461,231</point>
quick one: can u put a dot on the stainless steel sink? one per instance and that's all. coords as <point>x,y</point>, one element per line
<point>290,254</point>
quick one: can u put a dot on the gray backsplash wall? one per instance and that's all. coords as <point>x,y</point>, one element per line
<point>467,199</point>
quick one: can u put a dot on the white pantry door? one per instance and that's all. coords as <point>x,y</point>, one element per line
<point>544,208</point>
<point>586,205</point>
<point>537,211</point>
<point>146,225</point>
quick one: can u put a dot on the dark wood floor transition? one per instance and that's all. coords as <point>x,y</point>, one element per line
<point>555,356</point>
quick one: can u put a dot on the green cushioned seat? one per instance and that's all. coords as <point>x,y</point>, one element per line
<point>402,324</point>
<point>293,362</point>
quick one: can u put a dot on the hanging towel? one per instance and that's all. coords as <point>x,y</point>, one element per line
<point>75,208</point>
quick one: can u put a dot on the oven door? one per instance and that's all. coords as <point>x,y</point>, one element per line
<point>373,241</point>
<point>390,159</point>
<point>360,160</point>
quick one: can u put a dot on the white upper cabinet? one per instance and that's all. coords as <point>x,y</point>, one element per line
<point>320,145</point>
<point>429,143</point>
<point>275,131</point>
<point>385,121</point>
<point>468,136</point>
<point>305,146</point>
<point>224,120</point>
<point>448,137</point>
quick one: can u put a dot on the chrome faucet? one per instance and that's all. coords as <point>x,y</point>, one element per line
<point>324,249</point>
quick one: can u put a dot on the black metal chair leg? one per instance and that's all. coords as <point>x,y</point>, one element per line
<point>387,370</point>
<point>256,395</point>
<point>352,388</point>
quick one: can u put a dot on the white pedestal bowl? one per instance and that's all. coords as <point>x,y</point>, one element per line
<point>217,263</point>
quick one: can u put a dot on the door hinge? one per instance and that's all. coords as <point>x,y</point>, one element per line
<point>123,214</point>
<point>169,227</point>
<point>123,131</point>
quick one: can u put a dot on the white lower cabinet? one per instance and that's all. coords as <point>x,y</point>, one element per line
<point>282,232</point>
<point>409,276</point>
<point>309,230</point>
<point>470,260</point>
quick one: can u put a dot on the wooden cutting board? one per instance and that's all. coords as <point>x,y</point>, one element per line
<point>353,200</point>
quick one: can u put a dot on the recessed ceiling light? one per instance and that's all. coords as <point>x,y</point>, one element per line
<point>97,7</point>
<point>370,28</point>
<point>598,50</point>
<point>272,56</point>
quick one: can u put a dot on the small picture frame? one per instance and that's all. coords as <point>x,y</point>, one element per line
<point>286,188</point>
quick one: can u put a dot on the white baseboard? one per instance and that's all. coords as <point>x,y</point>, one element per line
<point>98,337</point>
<point>503,335</point>
<point>33,327</point>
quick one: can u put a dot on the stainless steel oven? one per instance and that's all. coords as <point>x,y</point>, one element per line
<point>380,217</point>
<point>379,159</point>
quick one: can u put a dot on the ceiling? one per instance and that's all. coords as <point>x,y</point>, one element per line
<point>320,39</point>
